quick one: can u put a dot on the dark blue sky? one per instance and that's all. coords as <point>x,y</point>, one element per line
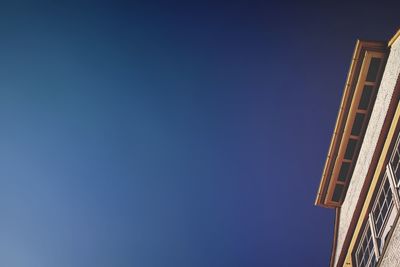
<point>177,134</point>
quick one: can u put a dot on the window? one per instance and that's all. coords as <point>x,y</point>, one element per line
<point>377,227</point>
<point>373,69</point>
<point>351,148</point>
<point>337,194</point>
<point>344,171</point>
<point>365,97</point>
<point>395,161</point>
<point>358,123</point>
<point>365,256</point>
<point>382,207</point>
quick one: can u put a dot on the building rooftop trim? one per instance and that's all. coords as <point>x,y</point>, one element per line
<point>340,143</point>
<point>394,38</point>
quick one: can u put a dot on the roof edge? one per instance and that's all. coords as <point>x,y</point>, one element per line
<point>348,94</point>
<point>394,38</point>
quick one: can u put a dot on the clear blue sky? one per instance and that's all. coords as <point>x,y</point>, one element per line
<point>171,134</point>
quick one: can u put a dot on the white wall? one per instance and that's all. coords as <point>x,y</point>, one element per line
<point>374,128</point>
<point>392,254</point>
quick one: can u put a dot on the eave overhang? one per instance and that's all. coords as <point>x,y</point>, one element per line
<point>359,95</point>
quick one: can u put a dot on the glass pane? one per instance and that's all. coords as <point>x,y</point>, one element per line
<point>373,69</point>
<point>397,174</point>
<point>358,123</point>
<point>381,199</point>
<point>379,224</point>
<point>386,186</point>
<point>365,97</point>
<point>351,147</point>
<point>395,159</point>
<point>389,196</point>
<point>384,210</point>
<point>337,194</point>
<point>376,213</point>
<point>344,170</point>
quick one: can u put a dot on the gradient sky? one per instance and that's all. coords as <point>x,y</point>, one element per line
<point>171,134</point>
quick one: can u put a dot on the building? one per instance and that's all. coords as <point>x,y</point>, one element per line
<point>361,176</point>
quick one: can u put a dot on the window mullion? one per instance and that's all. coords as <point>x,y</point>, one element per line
<point>374,236</point>
<point>392,182</point>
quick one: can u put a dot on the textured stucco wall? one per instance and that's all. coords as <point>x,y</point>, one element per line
<point>374,128</point>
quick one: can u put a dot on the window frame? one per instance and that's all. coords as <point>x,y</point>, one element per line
<point>369,242</point>
<point>379,232</point>
<point>396,150</point>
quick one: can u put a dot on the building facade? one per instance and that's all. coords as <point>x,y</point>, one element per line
<point>361,176</point>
